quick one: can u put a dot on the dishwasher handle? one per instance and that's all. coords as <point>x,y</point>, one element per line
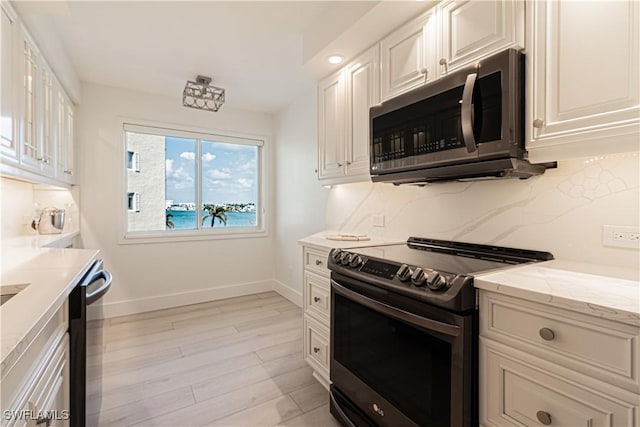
<point>94,296</point>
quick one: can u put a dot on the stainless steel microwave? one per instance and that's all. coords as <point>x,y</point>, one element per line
<point>467,125</point>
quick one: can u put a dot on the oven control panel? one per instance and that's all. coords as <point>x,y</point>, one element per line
<point>411,276</point>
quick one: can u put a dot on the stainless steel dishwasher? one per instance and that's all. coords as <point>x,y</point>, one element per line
<point>92,287</point>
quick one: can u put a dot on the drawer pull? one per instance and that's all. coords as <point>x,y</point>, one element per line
<point>318,262</point>
<point>316,350</point>
<point>547,334</point>
<point>544,417</point>
<point>316,299</point>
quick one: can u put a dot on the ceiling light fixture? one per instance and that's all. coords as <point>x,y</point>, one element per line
<point>201,95</point>
<point>335,59</point>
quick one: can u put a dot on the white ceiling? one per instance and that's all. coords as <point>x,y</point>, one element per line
<point>252,49</point>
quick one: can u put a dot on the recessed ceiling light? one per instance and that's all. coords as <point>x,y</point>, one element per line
<point>335,59</point>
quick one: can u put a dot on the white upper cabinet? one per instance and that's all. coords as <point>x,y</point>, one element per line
<point>408,56</point>
<point>363,92</point>
<point>36,133</point>
<point>583,74</point>
<point>29,99</point>
<point>344,99</point>
<point>471,30</point>
<point>64,137</point>
<point>331,126</point>
<point>8,138</point>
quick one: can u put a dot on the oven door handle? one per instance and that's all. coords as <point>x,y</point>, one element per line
<point>343,416</point>
<point>429,324</point>
<point>466,113</point>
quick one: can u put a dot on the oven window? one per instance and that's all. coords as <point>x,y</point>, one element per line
<point>405,365</point>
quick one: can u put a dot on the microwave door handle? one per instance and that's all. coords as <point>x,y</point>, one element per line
<point>466,113</point>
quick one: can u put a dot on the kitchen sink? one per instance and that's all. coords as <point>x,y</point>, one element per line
<point>9,291</point>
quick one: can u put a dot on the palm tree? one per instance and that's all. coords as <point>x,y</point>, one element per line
<point>169,224</point>
<point>213,212</point>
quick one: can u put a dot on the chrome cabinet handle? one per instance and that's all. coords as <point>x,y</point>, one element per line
<point>538,123</point>
<point>466,113</point>
<point>316,299</point>
<point>544,417</point>
<point>67,172</point>
<point>318,262</point>
<point>316,350</point>
<point>547,334</point>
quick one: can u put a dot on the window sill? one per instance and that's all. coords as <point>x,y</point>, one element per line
<point>190,235</point>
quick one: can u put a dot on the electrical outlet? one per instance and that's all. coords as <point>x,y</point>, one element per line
<point>620,236</point>
<point>377,220</point>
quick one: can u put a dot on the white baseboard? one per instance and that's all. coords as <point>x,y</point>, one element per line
<point>141,305</point>
<point>289,293</point>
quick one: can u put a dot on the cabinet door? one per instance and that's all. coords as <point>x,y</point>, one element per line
<point>8,138</point>
<point>519,390</point>
<point>331,130</point>
<point>583,68</point>
<point>471,30</point>
<point>46,128</point>
<point>64,114</point>
<point>30,97</point>
<point>362,92</point>
<point>408,56</point>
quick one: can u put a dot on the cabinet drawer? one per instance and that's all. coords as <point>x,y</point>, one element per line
<point>317,296</point>
<point>316,260</point>
<point>517,392</point>
<point>316,345</point>
<point>604,349</point>
<point>19,378</point>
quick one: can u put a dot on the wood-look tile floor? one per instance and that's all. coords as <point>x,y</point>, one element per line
<point>233,362</point>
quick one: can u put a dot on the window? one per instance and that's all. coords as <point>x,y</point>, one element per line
<point>193,183</point>
<point>133,161</point>
<point>133,203</point>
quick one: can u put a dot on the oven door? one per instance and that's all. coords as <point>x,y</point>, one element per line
<point>397,361</point>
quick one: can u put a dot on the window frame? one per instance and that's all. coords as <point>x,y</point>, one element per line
<point>193,132</point>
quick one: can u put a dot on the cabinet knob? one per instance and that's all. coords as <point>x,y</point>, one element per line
<point>318,262</point>
<point>316,299</point>
<point>537,123</point>
<point>348,163</point>
<point>547,334</point>
<point>544,417</point>
<point>443,62</point>
<point>339,165</point>
<point>316,350</point>
<point>424,70</point>
<point>67,172</point>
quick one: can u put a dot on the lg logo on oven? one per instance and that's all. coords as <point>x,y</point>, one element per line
<point>378,410</point>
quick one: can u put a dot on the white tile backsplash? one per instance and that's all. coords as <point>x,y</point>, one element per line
<point>562,211</point>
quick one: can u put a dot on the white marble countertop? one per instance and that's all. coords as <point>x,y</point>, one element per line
<point>320,240</point>
<point>36,241</point>
<point>50,274</point>
<point>603,291</point>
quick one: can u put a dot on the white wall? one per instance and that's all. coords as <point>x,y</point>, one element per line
<point>561,211</point>
<point>19,200</point>
<point>153,276</point>
<point>300,199</point>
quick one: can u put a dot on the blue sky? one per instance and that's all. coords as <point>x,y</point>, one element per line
<point>228,171</point>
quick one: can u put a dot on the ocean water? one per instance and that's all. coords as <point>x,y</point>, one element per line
<point>186,220</point>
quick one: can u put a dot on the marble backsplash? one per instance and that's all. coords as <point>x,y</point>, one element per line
<point>562,211</point>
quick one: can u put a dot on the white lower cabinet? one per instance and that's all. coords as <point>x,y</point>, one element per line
<point>541,365</point>
<point>35,387</point>
<point>316,295</point>
<point>521,390</point>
